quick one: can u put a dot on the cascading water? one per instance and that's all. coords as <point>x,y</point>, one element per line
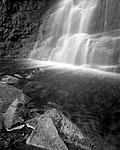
<point>68,39</point>
<point>69,28</point>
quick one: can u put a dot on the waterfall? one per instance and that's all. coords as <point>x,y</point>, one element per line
<point>68,34</point>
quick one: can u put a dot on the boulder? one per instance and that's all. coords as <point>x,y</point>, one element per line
<point>18,76</point>
<point>32,123</point>
<point>12,102</point>
<point>54,122</point>
<point>1,122</point>
<point>8,94</point>
<point>12,115</point>
<point>46,135</point>
<point>70,132</point>
<point>10,79</point>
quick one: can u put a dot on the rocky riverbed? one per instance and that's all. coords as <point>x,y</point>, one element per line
<point>52,106</point>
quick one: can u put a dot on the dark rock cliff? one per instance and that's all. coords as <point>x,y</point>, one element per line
<point>19,25</point>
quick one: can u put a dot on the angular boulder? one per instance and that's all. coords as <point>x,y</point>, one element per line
<point>8,94</point>
<point>46,135</point>
<point>70,132</point>
<point>54,122</point>
<point>1,122</point>
<point>32,123</point>
<point>12,115</point>
<point>11,103</point>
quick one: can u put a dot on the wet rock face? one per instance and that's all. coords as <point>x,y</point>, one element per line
<point>106,51</point>
<point>106,16</point>
<point>19,25</point>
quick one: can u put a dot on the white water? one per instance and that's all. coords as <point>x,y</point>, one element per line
<point>68,41</point>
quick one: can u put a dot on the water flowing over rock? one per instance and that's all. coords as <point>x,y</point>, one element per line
<point>68,33</point>
<point>71,39</point>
